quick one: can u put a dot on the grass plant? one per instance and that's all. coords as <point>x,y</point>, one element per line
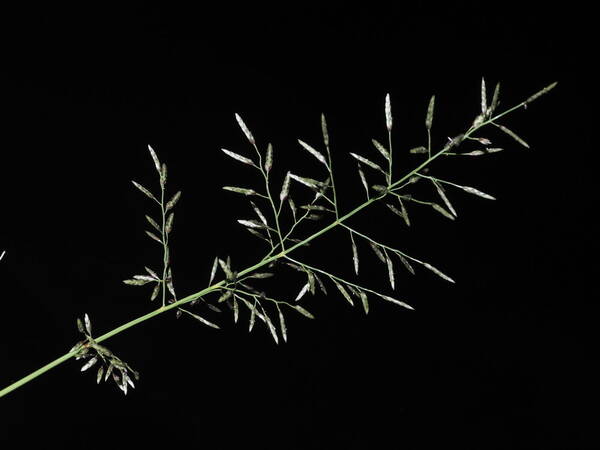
<point>237,290</point>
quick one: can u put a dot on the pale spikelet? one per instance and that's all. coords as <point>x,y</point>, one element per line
<point>303,311</point>
<point>388,112</point>
<point>251,223</point>
<point>136,282</point>
<point>480,152</point>
<point>259,235</point>
<point>226,267</point>
<point>324,130</point>
<point>438,272</point>
<point>390,268</point>
<point>321,284</point>
<point>397,302</point>
<point>442,195</point>
<point>365,301</point>
<point>213,270</point>
<point>163,175</point>
<point>169,224</point>
<point>363,180</point>
<point>173,201</point>
<point>260,275</point>
<point>429,118</point>
<point>367,162</point>
<point>225,296</point>
<point>381,149</point>
<point>118,382</point>
<point>313,184</point>
<point>252,318</point>
<point>108,372</point>
<point>145,191</point>
<point>295,266</point>
<point>313,152</point>
<point>282,325</point>
<point>240,190</point>
<point>378,252</point>
<point>478,121</point>
<point>542,92</point>
<point>258,212</point>
<point>353,290</point>
<point>89,364</point>
<point>271,327</point>
<point>442,211</point>
<point>245,129</point>
<point>311,281</point>
<point>394,210</point>
<point>406,263</point>
<point>303,291</point>
<point>236,310</point>
<point>154,158</point>
<point>171,288</point>
<point>269,159</point>
<point>513,135</point>
<point>99,374</point>
<point>88,324</point>
<point>147,278</point>
<point>202,320</point>
<point>453,142</point>
<point>153,236</point>
<point>483,97</point>
<point>316,208</point>
<point>404,212</point>
<point>153,223</point>
<point>129,381</point>
<point>285,189</point>
<point>418,150</point>
<point>79,344</point>
<point>343,291</point>
<point>292,207</point>
<point>477,192</point>
<point>240,158</point>
<point>155,292</point>
<point>354,253</point>
<point>495,98</point>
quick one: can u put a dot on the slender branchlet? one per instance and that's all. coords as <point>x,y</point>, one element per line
<point>325,133</point>
<point>165,282</point>
<point>244,290</point>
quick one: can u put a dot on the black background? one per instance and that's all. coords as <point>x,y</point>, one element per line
<point>503,359</point>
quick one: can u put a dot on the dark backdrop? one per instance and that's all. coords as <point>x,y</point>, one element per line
<point>503,359</point>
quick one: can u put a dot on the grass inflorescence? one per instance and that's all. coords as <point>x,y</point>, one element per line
<point>270,202</point>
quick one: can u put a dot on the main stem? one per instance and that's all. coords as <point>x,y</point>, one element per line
<point>216,286</point>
